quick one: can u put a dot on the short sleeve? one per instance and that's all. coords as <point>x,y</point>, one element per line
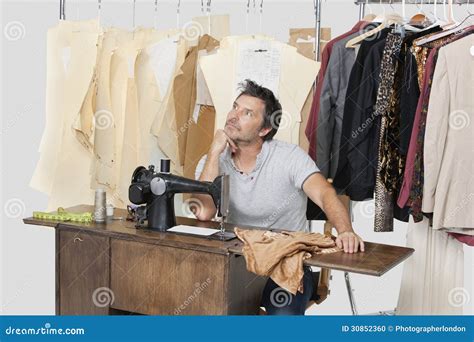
<point>301,167</point>
<point>200,167</point>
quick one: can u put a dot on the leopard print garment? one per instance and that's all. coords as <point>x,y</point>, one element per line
<point>384,199</point>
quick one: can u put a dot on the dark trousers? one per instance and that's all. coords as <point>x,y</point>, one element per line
<point>278,301</point>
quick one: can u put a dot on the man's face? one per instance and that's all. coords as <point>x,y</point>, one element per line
<point>245,120</point>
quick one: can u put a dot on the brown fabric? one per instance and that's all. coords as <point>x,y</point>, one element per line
<point>307,48</point>
<point>199,139</point>
<point>280,255</point>
<point>184,89</point>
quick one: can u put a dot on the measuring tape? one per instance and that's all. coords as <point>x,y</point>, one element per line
<point>63,215</point>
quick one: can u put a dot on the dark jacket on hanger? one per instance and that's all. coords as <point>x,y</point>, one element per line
<point>410,90</point>
<point>359,139</point>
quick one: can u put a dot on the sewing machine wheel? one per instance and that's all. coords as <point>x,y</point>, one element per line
<point>137,173</point>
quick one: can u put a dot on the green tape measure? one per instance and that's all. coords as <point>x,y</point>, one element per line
<point>63,215</point>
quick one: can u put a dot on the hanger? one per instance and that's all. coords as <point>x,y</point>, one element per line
<point>178,5</point>
<point>155,19</point>
<point>371,16</point>
<point>99,8</point>
<point>445,33</point>
<point>133,19</point>
<point>420,17</point>
<point>450,22</point>
<point>381,17</point>
<point>247,17</point>
<point>389,20</point>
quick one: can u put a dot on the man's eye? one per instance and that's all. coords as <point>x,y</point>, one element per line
<point>249,113</point>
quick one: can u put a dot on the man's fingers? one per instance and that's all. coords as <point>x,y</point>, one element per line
<point>231,143</point>
<point>339,242</point>
<point>362,246</point>
<point>351,244</point>
<point>345,243</point>
<point>356,245</point>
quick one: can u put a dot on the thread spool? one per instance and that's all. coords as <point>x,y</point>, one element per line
<point>99,205</point>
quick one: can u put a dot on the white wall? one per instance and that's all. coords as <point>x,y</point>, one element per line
<point>27,252</point>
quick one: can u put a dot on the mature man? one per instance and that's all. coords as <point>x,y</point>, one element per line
<point>270,181</point>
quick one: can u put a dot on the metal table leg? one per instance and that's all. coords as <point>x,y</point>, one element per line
<point>350,293</point>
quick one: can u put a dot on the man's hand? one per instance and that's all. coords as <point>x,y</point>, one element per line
<point>221,139</point>
<point>350,242</point>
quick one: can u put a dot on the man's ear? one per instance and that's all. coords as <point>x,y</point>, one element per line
<point>264,131</point>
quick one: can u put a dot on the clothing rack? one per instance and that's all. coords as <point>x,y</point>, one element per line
<point>317,48</point>
<point>450,3</point>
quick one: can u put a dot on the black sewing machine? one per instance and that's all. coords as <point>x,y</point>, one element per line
<point>157,189</point>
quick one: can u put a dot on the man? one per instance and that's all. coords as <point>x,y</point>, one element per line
<point>270,181</point>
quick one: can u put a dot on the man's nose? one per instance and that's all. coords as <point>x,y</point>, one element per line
<point>234,114</point>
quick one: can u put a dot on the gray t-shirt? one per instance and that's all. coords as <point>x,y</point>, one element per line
<point>271,195</point>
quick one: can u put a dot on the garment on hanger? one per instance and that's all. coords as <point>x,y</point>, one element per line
<point>184,89</point>
<point>411,156</point>
<point>391,160</point>
<point>359,137</point>
<point>331,105</point>
<point>383,219</point>
<point>291,84</point>
<point>391,152</point>
<point>432,274</point>
<point>70,61</point>
<point>410,87</point>
<point>72,54</point>
<point>125,110</point>
<point>164,126</point>
<point>414,185</point>
<point>195,121</point>
<point>448,168</point>
<point>311,127</point>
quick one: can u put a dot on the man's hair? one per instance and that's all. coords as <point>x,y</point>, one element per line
<point>272,113</point>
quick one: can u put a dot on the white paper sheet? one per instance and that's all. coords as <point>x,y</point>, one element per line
<point>163,60</point>
<point>193,230</point>
<point>259,60</point>
<point>197,108</point>
<point>203,96</point>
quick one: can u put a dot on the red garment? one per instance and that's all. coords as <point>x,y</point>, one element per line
<point>313,115</point>
<point>467,239</point>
